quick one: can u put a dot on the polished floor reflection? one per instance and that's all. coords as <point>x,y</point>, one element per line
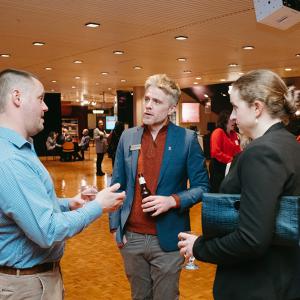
<point>92,266</point>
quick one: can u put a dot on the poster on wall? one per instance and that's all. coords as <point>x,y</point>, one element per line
<point>190,113</point>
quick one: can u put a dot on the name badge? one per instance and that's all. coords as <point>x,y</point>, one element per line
<point>135,147</point>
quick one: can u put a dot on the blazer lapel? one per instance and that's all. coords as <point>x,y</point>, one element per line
<point>170,145</point>
<point>136,140</point>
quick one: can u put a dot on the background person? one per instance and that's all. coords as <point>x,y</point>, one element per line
<point>84,143</point>
<point>100,138</point>
<point>224,145</point>
<point>34,223</point>
<point>51,143</point>
<point>249,266</point>
<point>146,229</point>
<point>114,140</point>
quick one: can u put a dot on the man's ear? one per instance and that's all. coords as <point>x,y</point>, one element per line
<point>16,98</point>
<point>171,109</point>
<point>258,107</point>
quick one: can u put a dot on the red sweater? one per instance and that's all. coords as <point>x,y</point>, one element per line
<point>223,147</point>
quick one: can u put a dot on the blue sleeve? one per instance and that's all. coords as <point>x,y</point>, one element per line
<point>27,196</point>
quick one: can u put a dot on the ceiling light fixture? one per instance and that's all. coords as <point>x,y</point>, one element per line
<point>297,55</point>
<point>54,81</point>
<point>48,68</point>
<point>137,68</point>
<point>198,78</point>
<point>118,52</point>
<point>5,55</point>
<point>77,61</point>
<point>123,80</point>
<point>38,43</point>
<point>248,47</point>
<point>222,79</point>
<point>77,77</point>
<point>104,73</point>
<point>92,25</point>
<point>195,83</point>
<point>288,69</point>
<point>181,37</point>
<point>181,59</point>
<point>73,87</point>
<point>187,71</point>
<point>233,65</point>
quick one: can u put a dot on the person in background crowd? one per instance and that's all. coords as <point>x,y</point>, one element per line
<point>224,145</point>
<point>113,140</point>
<point>84,143</point>
<point>51,143</point>
<point>146,229</point>
<point>100,138</point>
<point>34,222</point>
<point>249,265</point>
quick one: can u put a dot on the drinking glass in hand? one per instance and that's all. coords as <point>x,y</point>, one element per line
<point>189,263</point>
<point>88,192</point>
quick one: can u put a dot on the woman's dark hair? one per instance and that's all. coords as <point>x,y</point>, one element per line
<point>119,128</point>
<point>223,120</point>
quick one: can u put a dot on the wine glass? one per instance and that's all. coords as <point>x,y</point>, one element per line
<point>189,263</point>
<point>88,192</point>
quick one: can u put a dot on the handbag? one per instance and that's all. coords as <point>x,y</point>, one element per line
<point>220,216</point>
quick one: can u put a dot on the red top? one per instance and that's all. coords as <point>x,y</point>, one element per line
<point>223,147</point>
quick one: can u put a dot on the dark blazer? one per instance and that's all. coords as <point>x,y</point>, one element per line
<point>183,160</point>
<point>249,267</point>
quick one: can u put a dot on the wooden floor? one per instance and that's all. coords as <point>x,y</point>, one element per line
<point>92,266</point>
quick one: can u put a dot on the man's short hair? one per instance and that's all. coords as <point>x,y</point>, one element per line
<point>10,78</point>
<point>167,85</point>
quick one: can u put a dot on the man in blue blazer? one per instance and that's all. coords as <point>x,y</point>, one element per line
<point>168,156</point>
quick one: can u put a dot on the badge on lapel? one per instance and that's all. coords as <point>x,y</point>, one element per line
<point>135,147</point>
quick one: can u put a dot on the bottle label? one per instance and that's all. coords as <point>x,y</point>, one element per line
<point>142,180</point>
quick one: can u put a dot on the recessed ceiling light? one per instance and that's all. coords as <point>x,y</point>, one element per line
<point>5,55</point>
<point>97,83</point>
<point>54,81</point>
<point>118,52</point>
<point>38,43</point>
<point>52,90</point>
<point>241,73</point>
<point>248,47</point>
<point>222,79</point>
<point>109,89</point>
<point>137,67</point>
<point>182,59</point>
<point>195,83</point>
<point>77,61</point>
<point>104,73</point>
<point>77,77</point>
<point>233,65</point>
<point>48,68</point>
<point>181,37</point>
<point>288,69</point>
<point>297,55</point>
<point>187,71</point>
<point>198,78</point>
<point>77,100</point>
<point>73,87</point>
<point>123,80</point>
<point>92,25</point>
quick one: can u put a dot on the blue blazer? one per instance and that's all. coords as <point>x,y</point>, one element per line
<point>183,161</point>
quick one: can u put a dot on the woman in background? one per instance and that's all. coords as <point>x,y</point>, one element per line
<point>224,145</point>
<point>249,265</point>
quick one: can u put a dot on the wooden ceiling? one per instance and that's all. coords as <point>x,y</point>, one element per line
<point>145,31</point>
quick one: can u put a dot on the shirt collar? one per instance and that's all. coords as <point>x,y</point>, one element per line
<point>13,137</point>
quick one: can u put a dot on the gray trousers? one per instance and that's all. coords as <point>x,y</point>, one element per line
<point>40,286</point>
<point>152,273</point>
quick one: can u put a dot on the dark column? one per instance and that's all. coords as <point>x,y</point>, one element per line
<point>125,107</point>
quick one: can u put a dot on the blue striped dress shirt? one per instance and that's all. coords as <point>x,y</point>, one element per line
<point>34,223</point>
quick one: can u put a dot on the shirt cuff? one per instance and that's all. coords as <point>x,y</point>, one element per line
<point>177,200</point>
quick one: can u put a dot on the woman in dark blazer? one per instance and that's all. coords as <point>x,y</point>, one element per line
<point>249,266</point>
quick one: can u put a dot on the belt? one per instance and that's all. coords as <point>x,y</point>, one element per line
<point>50,266</point>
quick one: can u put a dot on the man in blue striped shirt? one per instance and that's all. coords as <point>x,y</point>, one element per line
<point>34,223</point>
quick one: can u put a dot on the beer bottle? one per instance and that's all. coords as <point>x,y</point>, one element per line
<point>145,192</point>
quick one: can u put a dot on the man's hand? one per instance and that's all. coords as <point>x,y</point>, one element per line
<point>186,243</point>
<point>109,200</point>
<point>76,202</point>
<point>156,205</point>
